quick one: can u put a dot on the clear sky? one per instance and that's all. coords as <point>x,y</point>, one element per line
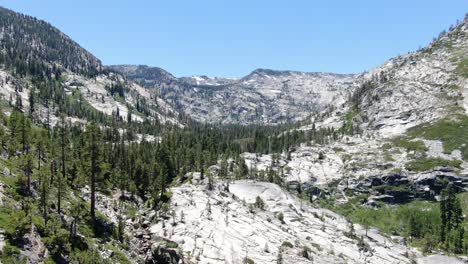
<point>232,38</point>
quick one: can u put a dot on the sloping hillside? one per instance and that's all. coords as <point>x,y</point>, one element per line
<point>43,66</point>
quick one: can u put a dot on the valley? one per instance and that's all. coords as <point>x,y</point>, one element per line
<point>130,164</point>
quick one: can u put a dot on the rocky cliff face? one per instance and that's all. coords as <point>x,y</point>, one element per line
<point>419,87</point>
<point>264,96</point>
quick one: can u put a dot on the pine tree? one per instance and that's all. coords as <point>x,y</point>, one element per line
<point>32,100</point>
<point>2,138</point>
<point>13,124</point>
<point>224,168</point>
<point>27,168</point>
<point>210,181</point>
<point>63,134</point>
<point>451,217</point>
<point>44,193</point>
<point>18,102</point>
<point>162,181</point>
<point>93,160</point>
<point>279,259</point>
<point>25,133</point>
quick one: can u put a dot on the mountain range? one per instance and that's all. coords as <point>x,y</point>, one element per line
<point>130,164</point>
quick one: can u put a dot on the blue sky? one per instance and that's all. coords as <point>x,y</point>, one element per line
<point>232,38</point>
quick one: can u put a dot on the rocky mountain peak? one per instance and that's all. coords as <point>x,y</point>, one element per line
<point>144,72</point>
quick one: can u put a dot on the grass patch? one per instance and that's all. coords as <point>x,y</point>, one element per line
<point>410,145</point>
<point>462,68</point>
<point>11,181</point>
<point>395,219</point>
<point>452,131</point>
<point>10,255</point>
<point>171,244</point>
<point>383,188</point>
<point>424,164</point>
<point>418,220</point>
<point>11,219</point>
<point>388,157</point>
<point>118,256</point>
<point>453,87</point>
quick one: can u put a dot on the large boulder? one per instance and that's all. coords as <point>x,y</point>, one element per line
<point>162,252</point>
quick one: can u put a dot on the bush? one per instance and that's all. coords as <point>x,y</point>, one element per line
<point>363,246</point>
<point>287,244</point>
<point>59,242</point>
<point>171,244</point>
<point>321,156</point>
<point>86,257</point>
<point>305,252</point>
<point>259,203</point>
<point>281,218</point>
<point>248,261</point>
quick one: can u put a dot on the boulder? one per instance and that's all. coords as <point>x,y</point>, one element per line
<point>161,254</point>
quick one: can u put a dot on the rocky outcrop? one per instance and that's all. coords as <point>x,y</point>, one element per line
<point>402,188</point>
<point>143,245</point>
<point>229,227</point>
<point>33,249</point>
<point>162,254</point>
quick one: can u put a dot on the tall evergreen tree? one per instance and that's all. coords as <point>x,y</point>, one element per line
<point>450,215</point>
<point>93,160</point>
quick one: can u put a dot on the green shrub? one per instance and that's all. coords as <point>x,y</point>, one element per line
<point>281,218</point>
<point>87,257</point>
<point>305,252</point>
<point>248,261</point>
<point>287,244</point>
<point>259,203</point>
<point>171,244</point>
<point>338,149</point>
<point>10,254</point>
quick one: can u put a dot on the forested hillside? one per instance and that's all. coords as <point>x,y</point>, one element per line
<point>32,46</point>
